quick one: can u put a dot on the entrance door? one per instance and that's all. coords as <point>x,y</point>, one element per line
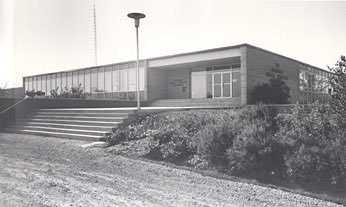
<point>222,85</point>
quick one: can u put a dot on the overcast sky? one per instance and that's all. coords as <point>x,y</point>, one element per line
<point>41,36</point>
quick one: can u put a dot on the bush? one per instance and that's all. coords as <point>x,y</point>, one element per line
<point>315,147</point>
<point>172,132</point>
<point>73,92</point>
<point>255,148</point>
<point>274,92</point>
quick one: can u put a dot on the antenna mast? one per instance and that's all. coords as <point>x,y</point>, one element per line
<point>95,32</point>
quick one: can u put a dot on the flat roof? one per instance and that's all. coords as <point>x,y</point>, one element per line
<point>187,53</point>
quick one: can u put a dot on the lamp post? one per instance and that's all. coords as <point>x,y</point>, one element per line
<point>137,17</point>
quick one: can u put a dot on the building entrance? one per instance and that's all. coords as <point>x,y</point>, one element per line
<point>222,87</point>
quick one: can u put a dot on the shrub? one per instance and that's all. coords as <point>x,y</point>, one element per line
<point>274,92</point>
<point>172,132</point>
<point>255,148</point>
<point>213,141</point>
<point>315,146</point>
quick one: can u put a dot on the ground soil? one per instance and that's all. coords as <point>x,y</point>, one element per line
<point>42,171</point>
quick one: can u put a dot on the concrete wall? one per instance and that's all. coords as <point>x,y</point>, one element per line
<point>262,66</point>
<point>156,84</point>
<point>178,81</point>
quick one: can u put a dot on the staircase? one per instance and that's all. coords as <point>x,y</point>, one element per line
<point>203,103</point>
<point>90,124</point>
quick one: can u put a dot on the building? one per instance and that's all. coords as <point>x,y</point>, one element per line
<point>227,74</point>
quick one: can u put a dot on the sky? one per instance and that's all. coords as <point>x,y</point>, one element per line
<point>42,36</point>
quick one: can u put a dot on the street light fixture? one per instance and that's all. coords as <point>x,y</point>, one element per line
<point>137,17</point>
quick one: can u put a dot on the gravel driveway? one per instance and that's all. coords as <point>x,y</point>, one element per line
<point>41,171</point>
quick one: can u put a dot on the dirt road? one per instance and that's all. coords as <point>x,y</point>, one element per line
<point>41,171</point>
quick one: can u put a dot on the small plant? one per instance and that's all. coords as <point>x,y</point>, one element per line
<point>31,93</point>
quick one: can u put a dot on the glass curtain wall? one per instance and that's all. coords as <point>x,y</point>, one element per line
<point>313,85</point>
<point>116,81</point>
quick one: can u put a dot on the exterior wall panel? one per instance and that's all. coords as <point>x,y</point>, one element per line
<point>262,65</point>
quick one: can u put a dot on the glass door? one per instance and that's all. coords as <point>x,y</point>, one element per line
<point>217,85</point>
<point>222,86</point>
<point>226,85</point>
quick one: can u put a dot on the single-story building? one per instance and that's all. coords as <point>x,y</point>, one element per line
<point>227,74</point>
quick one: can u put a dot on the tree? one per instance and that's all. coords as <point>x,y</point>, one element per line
<point>338,84</point>
<point>274,92</point>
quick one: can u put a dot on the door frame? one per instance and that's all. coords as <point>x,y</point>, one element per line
<point>222,83</point>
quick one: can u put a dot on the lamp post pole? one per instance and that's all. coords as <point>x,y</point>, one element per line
<point>137,17</point>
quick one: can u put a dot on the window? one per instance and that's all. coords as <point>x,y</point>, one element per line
<point>123,80</point>
<point>141,79</point>
<point>132,73</point>
<point>108,79</point>
<point>58,82</point>
<point>94,80</point>
<point>87,81</point>
<point>116,80</point>
<point>29,88</point>
<point>44,84</point>
<point>100,79</point>
<point>63,81</point>
<point>69,80</point>
<point>81,79</point>
<point>53,83</point>
<point>26,84</point>
<point>49,79</point>
<point>75,79</point>
<point>39,84</point>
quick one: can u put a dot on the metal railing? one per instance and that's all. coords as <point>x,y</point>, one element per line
<point>12,106</point>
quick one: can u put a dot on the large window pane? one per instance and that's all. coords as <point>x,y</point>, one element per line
<point>116,79</point>
<point>209,85</point>
<point>30,88</point>
<point>87,81</point>
<point>93,80</point>
<point>236,84</point>
<point>123,80</point>
<point>53,81</point>
<point>44,84</point>
<point>26,84</point>
<point>101,79</point>
<point>63,81</point>
<point>141,79</point>
<point>108,79</point>
<point>132,80</point>
<point>49,79</point>
<point>69,80</point>
<point>81,79</point>
<point>58,82</point>
<point>34,83</point>
<point>39,84</point>
<point>75,79</point>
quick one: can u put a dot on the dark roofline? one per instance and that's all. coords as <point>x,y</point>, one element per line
<point>267,51</point>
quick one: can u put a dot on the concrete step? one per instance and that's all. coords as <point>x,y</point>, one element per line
<point>62,130</point>
<point>69,126</point>
<point>78,118</point>
<point>75,122</point>
<point>90,124</point>
<point>89,114</point>
<point>57,134</point>
<point>89,110</point>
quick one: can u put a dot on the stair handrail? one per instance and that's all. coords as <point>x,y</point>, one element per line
<point>13,105</point>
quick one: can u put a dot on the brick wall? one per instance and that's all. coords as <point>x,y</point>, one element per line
<point>262,66</point>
